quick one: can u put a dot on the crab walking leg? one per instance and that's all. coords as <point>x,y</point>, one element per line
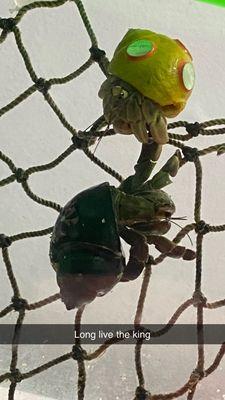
<point>162,178</point>
<point>138,253</point>
<point>150,154</point>
<point>164,245</point>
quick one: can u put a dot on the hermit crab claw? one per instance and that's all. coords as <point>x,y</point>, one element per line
<point>140,131</point>
<point>158,130</point>
<point>155,130</point>
<point>155,121</point>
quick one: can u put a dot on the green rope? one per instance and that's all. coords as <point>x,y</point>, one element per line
<point>86,22</point>
<point>38,4</point>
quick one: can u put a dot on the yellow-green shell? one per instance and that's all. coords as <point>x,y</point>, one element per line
<point>157,76</point>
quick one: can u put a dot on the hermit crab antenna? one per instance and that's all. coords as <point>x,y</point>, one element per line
<point>100,138</point>
<point>175,223</point>
<point>179,218</point>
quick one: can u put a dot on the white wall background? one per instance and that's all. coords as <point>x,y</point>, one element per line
<point>31,134</point>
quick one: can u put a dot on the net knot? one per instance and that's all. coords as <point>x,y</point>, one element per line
<point>5,241</point>
<point>42,85</point>
<point>21,175</point>
<point>199,299</point>
<point>193,129</point>
<point>78,353</point>
<point>79,142</point>
<point>16,376</point>
<point>96,53</point>
<point>202,227</point>
<point>190,153</point>
<point>19,304</point>
<point>7,24</point>
<point>195,377</point>
<point>142,394</point>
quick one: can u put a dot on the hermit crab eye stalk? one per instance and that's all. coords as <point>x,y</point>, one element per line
<point>120,92</point>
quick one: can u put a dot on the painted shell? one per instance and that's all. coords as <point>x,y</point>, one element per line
<point>157,66</point>
<point>151,77</point>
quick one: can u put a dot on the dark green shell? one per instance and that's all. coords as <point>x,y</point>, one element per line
<point>85,239</point>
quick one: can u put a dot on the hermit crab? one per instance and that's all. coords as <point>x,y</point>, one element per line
<point>150,77</point>
<point>85,248</point>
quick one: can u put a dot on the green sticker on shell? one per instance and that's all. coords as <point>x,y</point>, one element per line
<point>188,75</point>
<point>140,48</point>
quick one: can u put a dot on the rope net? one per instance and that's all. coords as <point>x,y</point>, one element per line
<point>82,140</point>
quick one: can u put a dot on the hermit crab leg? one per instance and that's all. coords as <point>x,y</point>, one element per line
<point>162,178</point>
<point>171,249</point>
<point>149,155</point>
<point>138,253</point>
